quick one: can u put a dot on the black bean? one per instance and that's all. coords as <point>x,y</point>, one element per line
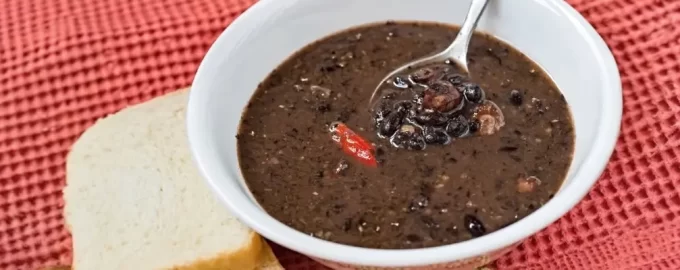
<point>379,151</point>
<point>347,225</point>
<point>323,108</point>
<point>328,66</point>
<point>516,98</point>
<point>508,149</point>
<point>403,106</point>
<point>436,136</point>
<point>417,142</point>
<point>382,110</point>
<point>474,226</point>
<point>418,98</point>
<point>399,139</point>
<point>430,118</point>
<point>458,126</point>
<point>473,126</point>
<point>473,93</point>
<point>410,139</point>
<point>413,238</point>
<point>390,124</point>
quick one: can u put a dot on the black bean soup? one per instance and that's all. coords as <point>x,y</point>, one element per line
<point>440,157</point>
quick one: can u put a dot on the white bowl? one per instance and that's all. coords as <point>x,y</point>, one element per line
<point>548,31</point>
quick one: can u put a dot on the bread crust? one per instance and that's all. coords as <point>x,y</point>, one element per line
<point>256,256</point>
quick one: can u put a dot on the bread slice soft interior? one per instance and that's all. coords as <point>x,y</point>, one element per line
<point>134,199</point>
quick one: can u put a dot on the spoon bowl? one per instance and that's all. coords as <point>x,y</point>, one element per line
<point>456,53</point>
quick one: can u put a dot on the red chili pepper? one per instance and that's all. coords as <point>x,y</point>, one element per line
<point>353,144</point>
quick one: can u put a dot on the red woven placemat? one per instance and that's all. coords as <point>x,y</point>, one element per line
<point>63,64</point>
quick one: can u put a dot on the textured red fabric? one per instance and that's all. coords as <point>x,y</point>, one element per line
<point>63,64</point>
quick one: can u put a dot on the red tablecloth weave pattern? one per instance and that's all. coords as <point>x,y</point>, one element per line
<point>63,64</point>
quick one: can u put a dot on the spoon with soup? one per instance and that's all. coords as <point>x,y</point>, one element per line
<point>443,99</point>
<point>454,54</point>
<point>433,100</point>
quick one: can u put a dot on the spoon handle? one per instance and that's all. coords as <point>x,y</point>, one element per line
<point>458,49</point>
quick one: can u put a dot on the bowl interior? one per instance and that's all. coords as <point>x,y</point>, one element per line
<point>549,32</point>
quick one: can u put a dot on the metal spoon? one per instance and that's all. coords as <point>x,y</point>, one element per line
<point>456,52</point>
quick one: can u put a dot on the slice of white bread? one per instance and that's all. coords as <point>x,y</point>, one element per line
<point>134,199</point>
